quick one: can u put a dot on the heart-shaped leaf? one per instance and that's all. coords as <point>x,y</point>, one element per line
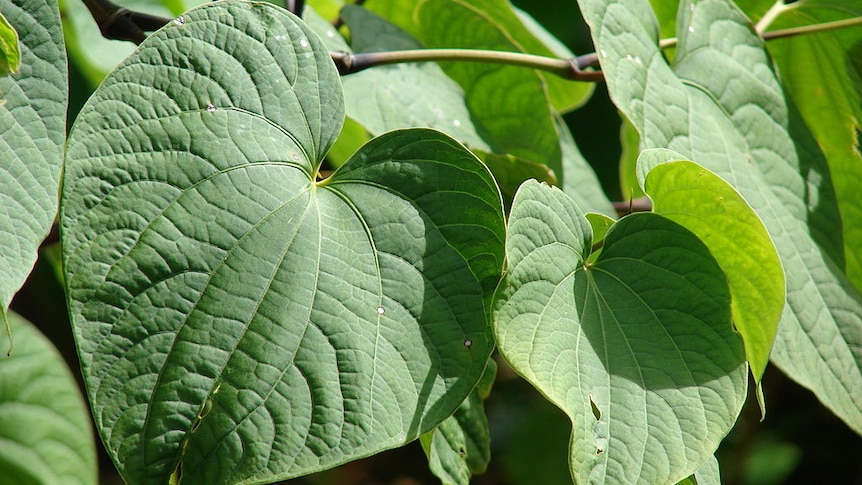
<point>32,130</point>
<point>636,347</point>
<point>239,320</point>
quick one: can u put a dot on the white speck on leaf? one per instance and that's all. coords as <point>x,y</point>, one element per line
<point>381,310</point>
<point>303,42</point>
<point>180,20</point>
<point>691,28</point>
<point>211,108</point>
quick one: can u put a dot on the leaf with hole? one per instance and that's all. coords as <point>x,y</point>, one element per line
<point>637,347</point>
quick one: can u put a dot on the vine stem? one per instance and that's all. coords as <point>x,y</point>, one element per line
<point>571,69</point>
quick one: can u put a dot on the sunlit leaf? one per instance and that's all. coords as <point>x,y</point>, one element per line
<point>238,319</point>
<point>10,50</point>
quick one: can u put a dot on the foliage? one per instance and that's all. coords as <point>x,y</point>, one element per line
<point>272,269</point>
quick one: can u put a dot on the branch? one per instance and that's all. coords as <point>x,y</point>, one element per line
<point>118,23</point>
<point>571,69</point>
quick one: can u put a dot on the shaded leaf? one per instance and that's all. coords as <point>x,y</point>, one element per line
<point>33,130</point>
<point>461,445</point>
<point>44,422</point>
<point>637,348</point>
<point>239,320</point>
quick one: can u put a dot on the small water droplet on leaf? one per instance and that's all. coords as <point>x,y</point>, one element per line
<point>468,343</point>
<point>303,42</point>
<point>381,310</point>
<point>180,20</point>
<point>211,108</point>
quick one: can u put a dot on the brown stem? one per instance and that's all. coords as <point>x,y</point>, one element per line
<point>118,23</point>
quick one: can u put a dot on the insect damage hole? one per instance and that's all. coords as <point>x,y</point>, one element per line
<point>595,408</point>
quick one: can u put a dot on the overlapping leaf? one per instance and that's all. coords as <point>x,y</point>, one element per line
<point>239,320</point>
<point>32,130</point>
<point>722,106</point>
<point>636,347</point>
<point>44,423</point>
<point>708,206</point>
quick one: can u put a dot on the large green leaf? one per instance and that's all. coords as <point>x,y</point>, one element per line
<point>709,207</point>
<point>722,106</point>
<point>239,320</point>
<point>44,423</point>
<point>819,74</point>
<point>32,130</point>
<point>637,347</point>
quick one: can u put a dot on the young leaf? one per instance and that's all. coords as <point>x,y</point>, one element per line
<point>723,106</point>
<point>10,51</point>
<point>239,320</point>
<point>44,423</point>
<point>708,206</point>
<point>32,129</point>
<point>637,348</point>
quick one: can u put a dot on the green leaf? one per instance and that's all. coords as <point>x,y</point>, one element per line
<point>637,348</point>
<point>722,106</point>
<point>706,205</point>
<point>44,422</point>
<point>819,75</point>
<point>33,130</point>
<point>10,50</point>
<point>237,319</point>
<point>461,445</point>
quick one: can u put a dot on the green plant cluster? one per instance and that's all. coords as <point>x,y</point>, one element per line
<point>272,268</point>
